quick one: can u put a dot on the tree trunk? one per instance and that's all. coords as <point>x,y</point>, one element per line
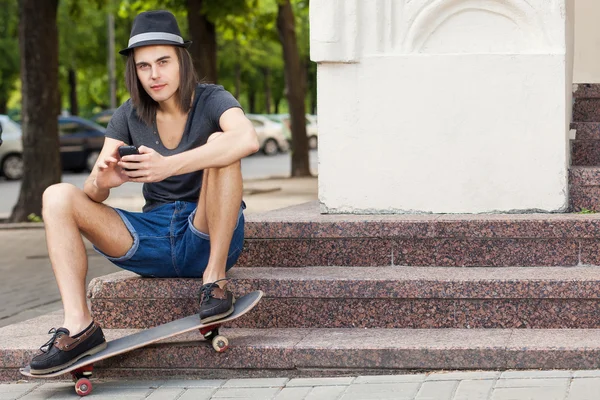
<point>3,104</point>
<point>252,99</point>
<point>204,42</point>
<point>38,40</point>
<point>73,92</point>
<point>312,86</point>
<point>296,88</point>
<point>267,74</point>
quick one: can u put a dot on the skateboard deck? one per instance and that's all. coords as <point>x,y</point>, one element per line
<point>153,335</point>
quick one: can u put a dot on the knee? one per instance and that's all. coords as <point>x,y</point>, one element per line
<point>58,198</point>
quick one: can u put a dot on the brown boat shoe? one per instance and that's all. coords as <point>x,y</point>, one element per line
<point>63,350</point>
<point>215,303</point>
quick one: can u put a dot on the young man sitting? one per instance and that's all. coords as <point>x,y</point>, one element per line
<point>191,138</point>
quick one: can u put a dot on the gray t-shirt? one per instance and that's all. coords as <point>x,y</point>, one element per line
<point>210,102</point>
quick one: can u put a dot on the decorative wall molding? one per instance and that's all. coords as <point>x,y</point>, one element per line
<point>347,30</point>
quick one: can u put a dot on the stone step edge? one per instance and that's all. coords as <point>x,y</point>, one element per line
<point>586,90</point>
<point>586,130</point>
<point>352,348</point>
<point>394,282</point>
<point>305,222</point>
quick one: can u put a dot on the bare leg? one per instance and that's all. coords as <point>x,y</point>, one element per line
<point>217,214</point>
<point>68,213</point>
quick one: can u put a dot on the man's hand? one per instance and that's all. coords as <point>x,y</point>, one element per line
<point>148,166</point>
<point>110,174</point>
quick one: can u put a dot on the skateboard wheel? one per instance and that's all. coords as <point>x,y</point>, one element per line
<point>83,387</point>
<point>220,343</point>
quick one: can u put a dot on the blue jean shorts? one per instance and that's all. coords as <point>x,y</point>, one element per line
<point>167,245</point>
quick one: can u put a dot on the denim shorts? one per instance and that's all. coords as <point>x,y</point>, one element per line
<point>167,245</point>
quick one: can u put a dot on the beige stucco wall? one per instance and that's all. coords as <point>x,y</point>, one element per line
<point>443,106</point>
<point>587,41</point>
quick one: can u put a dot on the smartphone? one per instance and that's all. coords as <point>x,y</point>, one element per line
<point>127,151</point>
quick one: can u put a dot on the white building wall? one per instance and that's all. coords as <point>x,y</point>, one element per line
<point>442,106</point>
<point>587,41</point>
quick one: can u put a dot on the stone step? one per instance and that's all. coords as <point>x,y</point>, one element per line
<point>586,110</point>
<point>314,352</point>
<point>586,91</point>
<point>584,190</point>
<point>585,152</point>
<point>300,236</point>
<point>584,176</point>
<point>370,297</point>
<point>586,103</point>
<point>586,130</point>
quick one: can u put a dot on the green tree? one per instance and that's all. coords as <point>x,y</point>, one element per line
<point>83,71</point>
<point>9,47</point>
<point>82,53</point>
<point>38,42</point>
<point>251,56</point>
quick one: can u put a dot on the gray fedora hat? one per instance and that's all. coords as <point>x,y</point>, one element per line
<point>152,28</point>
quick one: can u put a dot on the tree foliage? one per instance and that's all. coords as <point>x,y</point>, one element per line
<point>244,49</point>
<point>9,48</point>
<point>249,56</point>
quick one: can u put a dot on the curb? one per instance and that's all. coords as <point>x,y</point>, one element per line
<point>21,225</point>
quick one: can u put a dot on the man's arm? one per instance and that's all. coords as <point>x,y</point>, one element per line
<point>109,150</point>
<point>237,141</point>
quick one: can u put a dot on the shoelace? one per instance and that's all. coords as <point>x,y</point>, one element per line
<point>207,290</point>
<point>48,345</point>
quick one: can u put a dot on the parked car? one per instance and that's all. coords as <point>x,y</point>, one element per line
<point>80,143</point>
<point>311,128</point>
<point>103,117</point>
<point>270,134</point>
<point>11,161</point>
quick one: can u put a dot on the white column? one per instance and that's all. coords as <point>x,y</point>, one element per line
<point>442,106</point>
<point>587,42</point>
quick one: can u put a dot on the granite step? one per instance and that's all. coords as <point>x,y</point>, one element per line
<point>370,297</point>
<point>585,152</point>
<point>584,188</point>
<point>300,236</point>
<point>586,103</point>
<point>586,110</point>
<point>586,91</point>
<point>586,130</point>
<point>310,352</point>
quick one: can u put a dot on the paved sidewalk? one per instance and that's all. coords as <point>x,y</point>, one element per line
<point>517,385</point>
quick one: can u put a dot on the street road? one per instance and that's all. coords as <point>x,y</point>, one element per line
<point>257,166</point>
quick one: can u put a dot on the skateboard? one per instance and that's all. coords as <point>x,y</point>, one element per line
<point>82,370</point>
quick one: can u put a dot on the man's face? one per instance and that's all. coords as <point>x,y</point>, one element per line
<point>158,70</point>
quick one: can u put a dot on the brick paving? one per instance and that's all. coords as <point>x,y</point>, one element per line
<point>512,385</point>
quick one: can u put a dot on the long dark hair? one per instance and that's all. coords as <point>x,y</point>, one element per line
<point>144,104</point>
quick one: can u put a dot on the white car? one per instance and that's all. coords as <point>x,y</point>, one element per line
<point>270,134</point>
<point>311,131</point>
<point>11,150</point>
<point>311,128</point>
